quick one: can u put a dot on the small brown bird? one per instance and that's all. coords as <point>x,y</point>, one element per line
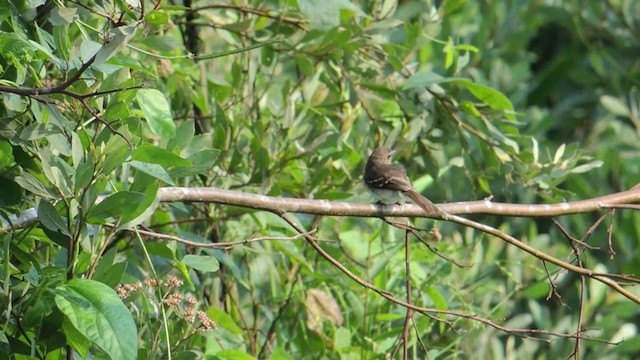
<point>389,182</point>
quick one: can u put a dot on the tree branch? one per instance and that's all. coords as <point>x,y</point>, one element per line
<point>334,208</point>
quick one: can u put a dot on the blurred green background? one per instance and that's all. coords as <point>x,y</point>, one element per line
<point>526,101</point>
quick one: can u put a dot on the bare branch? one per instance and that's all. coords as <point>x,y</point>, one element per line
<point>223,246</point>
<point>533,334</point>
<point>544,256</point>
<point>326,207</point>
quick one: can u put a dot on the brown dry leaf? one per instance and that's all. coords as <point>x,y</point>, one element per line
<point>321,306</point>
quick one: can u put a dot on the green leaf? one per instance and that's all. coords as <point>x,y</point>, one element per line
<point>77,149</point>
<point>157,17</point>
<point>233,354</point>
<point>144,210</point>
<point>75,338</point>
<point>116,111</point>
<point>202,161</point>
<point>491,97</point>
<point>154,170</point>
<point>30,183</point>
<point>50,218</point>
<point>117,205</point>
<point>6,154</point>
<point>38,131</point>
<point>224,320</point>
<point>97,312</point>
<point>84,172</point>
<point>325,14</point>
<point>204,263</point>
<point>156,110</point>
<point>116,152</point>
<point>11,193</point>
<point>184,135</point>
<point>118,38</point>
<point>342,339</point>
<point>425,79</point>
<point>439,301</point>
<point>13,102</point>
<point>615,105</point>
<point>62,16</point>
<point>110,273</point>
<point>586,167</point>
<point>536,291</point>
<point>88,49</point>
<point>154,155</point>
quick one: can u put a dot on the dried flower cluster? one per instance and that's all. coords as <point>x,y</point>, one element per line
<point>174,300</point>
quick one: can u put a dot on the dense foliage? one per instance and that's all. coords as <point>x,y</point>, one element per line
<point>106,102</point>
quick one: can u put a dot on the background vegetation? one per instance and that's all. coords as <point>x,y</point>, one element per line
<point>526,101</point>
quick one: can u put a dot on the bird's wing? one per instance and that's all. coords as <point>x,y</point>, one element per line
<point>399,180</point>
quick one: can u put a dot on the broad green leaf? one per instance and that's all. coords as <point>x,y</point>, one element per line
<point>131,63</point>
<point>325,14</point>
<point>30,183</point>
<point>38,131</point>
<point>13,102</point>
<point>342,339</point>
<point>77,149</point>
<point>280,353</point>
<point>59,173</point>
<point>425,79</point>
<point>112,275</point>
<point>491,97</point>
<point>156,110</point>
<point>157,17</point>
<point>63,16</point>
<point>75,338</point>
<point>224,320</point>
<point>116,111</point>
<point>144,210</point>
<point>198,143</point>
<point>615,105</point>
<point>97,312</point>
<point>204,263</point>
<point>118,38</point>
<point>537,290</point>
<point>84,172</point>
<point>116,152</point>
<point>439,301</point>
<point>117,205</point>
<point>202,161</point>
<point>184,135</point>
<point>6,154</point>
<point>154,170</point>
<point>88,49</point>
<point>50,218</point>
<point>154,155</point>
<point>106,262</point>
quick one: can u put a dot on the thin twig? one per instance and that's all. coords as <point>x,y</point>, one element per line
<point>414,231</point>
<point>544,256</point>
<point>534,334</point>
<point>223,246</point>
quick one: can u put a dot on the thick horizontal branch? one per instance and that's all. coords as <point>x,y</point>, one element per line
<point>335,208</point>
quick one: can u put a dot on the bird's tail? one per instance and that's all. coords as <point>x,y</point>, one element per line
<point>424,203</point>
